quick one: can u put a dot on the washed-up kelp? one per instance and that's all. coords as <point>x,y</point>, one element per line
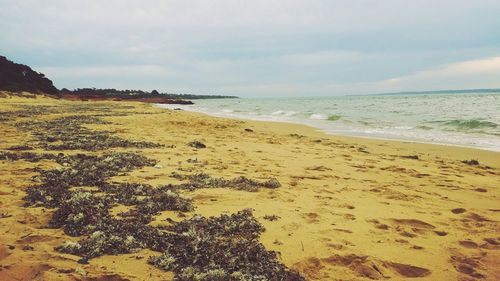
<point>197,144</point>
<point>20,147</point>
<point>202,180</point>
<point>27,111</point>
<point>68,133</point>
<point>80,170</point>
<point>221,248</point>
<point>116,236</point>
<point>27,156</point>
<point>80,191</point>
<point>159,202</point>
<point>81,213</point>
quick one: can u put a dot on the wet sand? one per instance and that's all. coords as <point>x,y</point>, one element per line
<point>347,209</point>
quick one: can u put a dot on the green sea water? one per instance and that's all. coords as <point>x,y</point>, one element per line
<point>471,119</point>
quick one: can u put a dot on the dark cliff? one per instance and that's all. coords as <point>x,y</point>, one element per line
<point>16,77</point>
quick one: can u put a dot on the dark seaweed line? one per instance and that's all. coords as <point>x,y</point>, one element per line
<point>199,248</point>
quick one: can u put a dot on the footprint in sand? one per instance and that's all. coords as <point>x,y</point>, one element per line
<point>478,218</point>
<point>411,227</point>
<point>468,244</point>
<point>467,265</point>
<point>365,266</point>
<point>311,217</point>
<point>378,224</point>
<point>414,223</point>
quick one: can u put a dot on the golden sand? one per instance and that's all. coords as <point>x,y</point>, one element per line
<point>348,208</point>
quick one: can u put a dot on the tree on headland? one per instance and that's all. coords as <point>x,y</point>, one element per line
<point>134,94</point>
<point>15,77</point>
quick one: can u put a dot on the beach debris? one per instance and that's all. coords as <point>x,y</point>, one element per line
<point>80,170</point>
<point>197,144</point>
<point>415,157</point>
<point>80,191</point>
<point>318,168</point>
<point>81,213</point>
<point>69,133</point>
<point>202,180</point>
<point>271,217</point>
<point>471,162</point>
<point>277,242</point>
<point>248,130</point>
<point>159,202</point>
<point>4,215</point>
<point>221,248</point>
<point>20,147</point>
<point>28,156</point>
<point>458,210</point>
<point>27,248</point>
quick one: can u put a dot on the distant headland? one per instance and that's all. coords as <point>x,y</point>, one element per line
<point>15,77</point>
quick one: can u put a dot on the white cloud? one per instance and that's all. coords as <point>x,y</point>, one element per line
<point>254,47</point>
<point>466,74</point>
<point>105,71</point>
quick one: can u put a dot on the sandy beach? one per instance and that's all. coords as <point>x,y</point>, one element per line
<point>345,209</point>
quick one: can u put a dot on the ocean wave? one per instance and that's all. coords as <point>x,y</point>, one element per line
<point>334,117</point>
<point>470,124</point>
<point>423,127</point>
<point>318,116</point>
<point>284,113</point>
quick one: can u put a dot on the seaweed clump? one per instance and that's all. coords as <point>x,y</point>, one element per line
<point>115,237</point>
<point>202,180</point>
<point>221,248</point>
<point>68,133</point>
<point>471,162</point>
<point>158,202</point>
<point>81,213</point>
<point>197,144</point>
<point>27,156</point>
<point>80,170</point>
<point>20,147</point>
<point>199,248</point>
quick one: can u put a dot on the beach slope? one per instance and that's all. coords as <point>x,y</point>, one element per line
<point>335,208</point>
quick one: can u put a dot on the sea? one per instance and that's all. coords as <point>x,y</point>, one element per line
<point>452,118</point>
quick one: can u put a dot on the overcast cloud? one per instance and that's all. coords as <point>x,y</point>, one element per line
<point>257,48</point>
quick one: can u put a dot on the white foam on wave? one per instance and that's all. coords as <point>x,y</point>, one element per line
<point>283,113</point>
<point>318,116</point>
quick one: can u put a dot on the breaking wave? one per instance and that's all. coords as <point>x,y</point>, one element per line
<point>470,124</point>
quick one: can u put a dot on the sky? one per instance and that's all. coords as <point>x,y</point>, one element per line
<point>258,48</point>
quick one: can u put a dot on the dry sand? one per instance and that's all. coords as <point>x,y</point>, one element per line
<point>348,208</point>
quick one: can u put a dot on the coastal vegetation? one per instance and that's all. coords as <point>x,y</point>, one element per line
<point>134,94</point>
<point>15,77</point>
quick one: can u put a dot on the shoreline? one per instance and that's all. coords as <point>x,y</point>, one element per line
<point>490,156</point>
<point>325,131</point>
<point>345,205</point>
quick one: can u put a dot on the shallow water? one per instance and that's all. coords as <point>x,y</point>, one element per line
<point>471,120</point>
